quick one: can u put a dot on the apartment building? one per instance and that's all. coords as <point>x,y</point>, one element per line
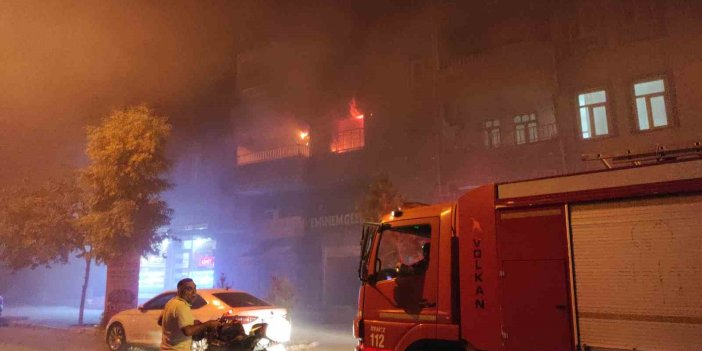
<point>451,96</point>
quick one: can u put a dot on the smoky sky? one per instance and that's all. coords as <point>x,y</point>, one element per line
<point>64,64</point>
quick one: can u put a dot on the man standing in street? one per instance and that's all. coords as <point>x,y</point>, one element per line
<point>177,324</point>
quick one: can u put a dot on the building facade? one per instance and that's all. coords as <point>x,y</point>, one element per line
<point>449,97</point>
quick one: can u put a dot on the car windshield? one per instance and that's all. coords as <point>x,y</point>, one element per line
<point>240,299</point>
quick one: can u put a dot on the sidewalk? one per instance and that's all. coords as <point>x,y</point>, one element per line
<point>50,316</point>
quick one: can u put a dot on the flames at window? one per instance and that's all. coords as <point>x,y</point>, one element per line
<point>349,131</point>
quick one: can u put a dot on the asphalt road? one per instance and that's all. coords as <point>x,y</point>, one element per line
<point>53,328</point>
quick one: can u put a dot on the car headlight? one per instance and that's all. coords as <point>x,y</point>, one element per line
<point>279,330</point>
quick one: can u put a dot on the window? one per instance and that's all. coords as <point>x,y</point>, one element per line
<point>159,302</point>
<point>492,133</point>
<point>199,302</point>
<point>526,129</point>
<point>240,299</point>
<point>593,114</point>
<point>650,104</point>
<point>401,246</point>
<point>348,132</point>
<point>348,140</point>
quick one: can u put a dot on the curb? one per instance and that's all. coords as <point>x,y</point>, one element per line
<point>88,329</point>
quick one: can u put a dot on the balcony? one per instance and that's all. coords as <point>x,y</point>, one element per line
<point>348,140</point>
<point>289,151</point>
<point>528,135</point>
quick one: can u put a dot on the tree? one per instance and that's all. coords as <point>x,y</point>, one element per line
<point>40,227</point>
<point>127,155</point>
<point>379,198</point>
<point>36,226</point>
<point>112,207</point>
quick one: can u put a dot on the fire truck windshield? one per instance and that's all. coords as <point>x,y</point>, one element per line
<point>402,249</point>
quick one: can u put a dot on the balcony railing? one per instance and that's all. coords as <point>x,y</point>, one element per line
<point>273,154</point>
<point>348,140</point>
<point>525,136</point>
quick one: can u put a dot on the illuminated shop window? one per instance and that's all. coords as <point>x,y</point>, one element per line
<point>194,258</point>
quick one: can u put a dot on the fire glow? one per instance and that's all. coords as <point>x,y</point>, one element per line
<point>354,111</point>
<point>304,138</point>
<point>348,132</point>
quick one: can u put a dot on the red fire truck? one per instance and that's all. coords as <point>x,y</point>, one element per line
<point>608,260</point>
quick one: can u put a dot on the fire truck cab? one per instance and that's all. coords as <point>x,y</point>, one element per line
<point>608,260</point>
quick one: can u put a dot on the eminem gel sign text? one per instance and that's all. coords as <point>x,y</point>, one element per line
<point>335,220</point>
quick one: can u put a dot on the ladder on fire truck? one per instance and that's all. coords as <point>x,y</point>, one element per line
<point>659,155</point>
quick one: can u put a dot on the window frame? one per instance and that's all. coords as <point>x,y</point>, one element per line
<point>529,137</point>
<point>432,239</point>
<point>667,94</point>
<point>489,133</point>
<point>609,114</point>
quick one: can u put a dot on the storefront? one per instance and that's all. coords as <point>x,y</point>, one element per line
<point>336,238</point>
<point>192,256</point>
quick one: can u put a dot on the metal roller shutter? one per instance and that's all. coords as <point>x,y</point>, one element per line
<point>638,273</point>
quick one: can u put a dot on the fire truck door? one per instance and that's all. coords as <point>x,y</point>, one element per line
<point>534,289</point>
<point>403,293</point>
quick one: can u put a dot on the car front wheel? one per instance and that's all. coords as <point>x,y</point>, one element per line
<point>116,338</point>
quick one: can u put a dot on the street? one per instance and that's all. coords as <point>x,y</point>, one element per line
<point>45,328</point>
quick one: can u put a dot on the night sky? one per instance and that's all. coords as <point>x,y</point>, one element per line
<point>65,64</point>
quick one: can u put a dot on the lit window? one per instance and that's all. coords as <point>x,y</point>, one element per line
<point>492,133</point>
<point>593,114</point>
<point>650,104</point>
<point>526,129</point>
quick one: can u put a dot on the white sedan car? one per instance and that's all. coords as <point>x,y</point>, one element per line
<point>139,326</point>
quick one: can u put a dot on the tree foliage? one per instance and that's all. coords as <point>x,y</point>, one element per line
<point>379,198</point>
<point>38,224</point>
<point>127,155</point>
<point>113,206</point>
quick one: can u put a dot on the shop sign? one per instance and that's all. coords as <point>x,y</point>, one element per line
<point>335,220</point>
